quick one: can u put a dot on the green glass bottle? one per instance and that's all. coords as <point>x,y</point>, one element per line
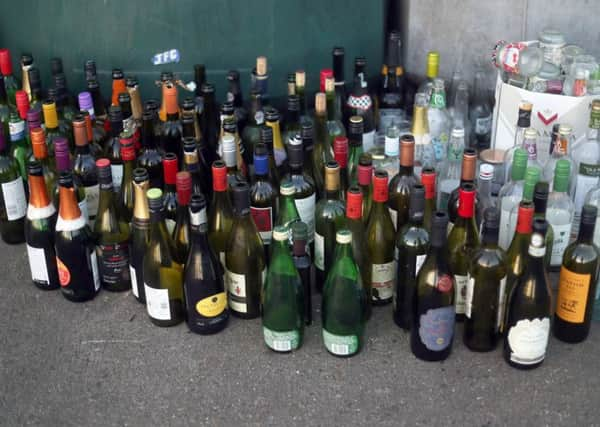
<point>181,233</point>
<point>402,182</point>
<point>577,283</point>
<point>266,137</point>
<point>463,241</point>
<point>20,149</point>
<point>126,190</point>
<point>220,215</point>
<point>540,202</point>
<point>484,307</point>
<point>11,82</point>
<point>251,132</point>
<point>303,264</point>
<point>434,316</point>
<point>321,152</point>
<point>288,214</point>
<point>84,168</point>
<point>340,155</point>
<point>344,305</point>
<point>4,106</point>
<point>13,203</point>
<point>282,297</point>
<point>334,112</point>
<point>163,280</point>
<point>245,266</point>
<point>170,168</point>
<point>329,218</point>
<point>140,233</point>
<point>111,231</point>
<point>381,243</point>
<point>355,137</point>
<point>412,245</point>
<point>51,124</point>
<point>365,176</point>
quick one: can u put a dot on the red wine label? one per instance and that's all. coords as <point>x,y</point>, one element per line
<point>263,218</point>
<point>114,262</point>
<point>64,275</point>
<point>436,327</point>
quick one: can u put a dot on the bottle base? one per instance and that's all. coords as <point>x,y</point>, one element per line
<point>381,302</point>
<point>165,323</point>
<point>208,330</point>
<point>46,287</point>
<point>79,298</point>
<point>244,315</point>
<point>116,287</point>
<point>523,367</point>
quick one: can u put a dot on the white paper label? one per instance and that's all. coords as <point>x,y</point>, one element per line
<point>528,340</point>
<point>319,251</point>
<point>469,297</point>
<point>562,233</point>
<point>37,264</point>
<point>157,303</point>
<point>461,292</point>
<point>95,275</point>
<point>117,176</point>
<point>419,262</point>
<point>383,279</point>
<point>134,284</point>
<point>501,303</point>
<point>92,196</point>
<point>14,199</point>
<point>16,130</point>
<point>236,287</point>
<point>306,211</point>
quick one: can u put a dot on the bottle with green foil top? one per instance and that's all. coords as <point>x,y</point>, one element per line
<point>509,197</point>
<point>540,204</point>
<point>559,213</point>
<point>282,298</point>
<point>163,280</point>
<point>140,233</point>
<point>343,312</point>
<point>245,266</point>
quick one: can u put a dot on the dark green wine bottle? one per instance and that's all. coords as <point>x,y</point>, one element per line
<point>181,233</point>
<point>484,303</point>
<point>340,155</point>
<point>434,316</point>
<point>428,179</point>
<point>402,182</point>
<point>540,202</point>
<point>530,307</point>
<point>140,233</point>
<point>13,203</point>
<point>365,176</point>
<point>170,169</point>
<point>85,172</point>
<point>303,264</point>
<point>150,156</point>
<point>288,214</point>
<point>282,297</point>
<point>577,283</point>
<point>355,142</point>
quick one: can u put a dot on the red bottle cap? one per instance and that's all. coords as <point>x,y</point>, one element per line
<point>5,62</point>
<point>525,218</point>
<point>184,187</point>
<point>466,201</point>
<point>354,200</point>
<point>323,75</point>
<point>380,186</point>
<point>22,101</point>
<point>103,163</point>
<point>170,168</point>
<point>127,148</point>
<point>365,174</point>
<point>428,181</point>
<point>340,151</point>
<point>219,172</point>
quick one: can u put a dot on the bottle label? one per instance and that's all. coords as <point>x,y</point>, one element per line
<point>170,225</point>
<point>306,211</point>
<point>528,340</point>
<point>587,179</point>
<point>117,176</point>
<point>213,305</point>
<point>560,242</point>
<point>14,199</point>
<point>469,297</point>
<point>340,345</point>
<point>368,141</point>
<point>531,147</point>
<point>64,275</point>
<point>94,268</point>
<point>92,197</point>
<point>461,292</point>
<point>319,252</point>
<point>419,261</point>
<point>236,287</point>
<point>263,219</point>
<point>281,341</point>
<point>134,283</point>
<point>383,279</point>
<point>157,303</point>
<point>17,130</point>
<point>573,289</point>
<point>501,303</point>
<point>259,117</point>
<point>37,264</point>
<point>509,56</point>
<point>436,328</point>
<point>114,260</point>
<point>483,125</point>
<point>83,208</point>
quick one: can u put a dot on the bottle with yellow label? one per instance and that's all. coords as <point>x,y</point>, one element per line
<point>577,283</point>
<point>205,298</point>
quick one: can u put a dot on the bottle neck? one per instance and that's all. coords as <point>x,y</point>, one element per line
<point>147,134</point>
<point>38,195</point>
<point>299,247</point>
<point>586,233</point>
<point>140,201</point>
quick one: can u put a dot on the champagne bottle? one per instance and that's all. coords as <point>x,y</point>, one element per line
<point>433,312</point>
<point>365,175</point>
<point>125,196</point>
<point>343,310</point>
<point>75,252</point>
<point>329,218</point>
<point>163,282</point>
<point>63,164</point>
<point>530,307</point>
<point>303,264</point>
<point>26,65</point>
<point>20,148</point>
<point>150,156</point>
<point>220,215</point>
<point>282,298</point>
<point>272,120</point>
<point>96,135</point>
<point>428,179</point>
<point>340,155</point>
<point>172,130</point>
<point>39,231</point>
<point>462,243</point>
<point>540,202</point>
<point>205,297</point>
<point>85,172</point>
<point>181,233</point>
<point>401,184</point>
<point>40,153</point>
<point>245,267</point>
<point>140,233</point>
<point>263,197</point>
<point>170,191</point>
<point>412,245</point>
<point>13,203</point>
<point>484,308</point>
<point>577,283</point>
<point>209,121</point>
<point>381,243</point>
<point>111,231</point>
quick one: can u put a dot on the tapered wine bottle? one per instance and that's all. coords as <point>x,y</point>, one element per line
<point>111,231</point>
<point>344,306</point>
<point>484,305</point>
<point>263,197</point>
<point>13,203</point>
<point>467,175</point>
<point>355,144</point>
<point>220,215</point>
<point>170,191</point>
<point>434,316</point>
<point>381,243</point>
<point>11,83</point>
<point>39,231</point>
<point>74,244</point>
<point>85,172</point>
<point>245,266</point>
<point>150,156</point>
<point>163,281</point>
<point>181,233</point>
<point>303,264</point>
<point>282,298</point>
<point>530,307</point>
<point>321,152</point>
<point>577,283</point>
<point>40,153</point>
<point>63,164</point>
<point>401,184</point>
<point>205,297</point>
<point>340,155</point>
<point>288,214</point>
<point>140,233</point>
<point>412,246</point>
<point>125,196</point>
<point>462,243</point>
<point>365,176</point>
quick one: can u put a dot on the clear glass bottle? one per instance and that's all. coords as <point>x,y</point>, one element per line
<point>450,169</point>
<point>424,152</point>
<point>390,163</point>
<point>523,123</point>
<point>431,72</point>
<point>439,120</point>
<point>509,197</point>
<point>561,150</point>
<point>480,113</point>
<point>559,213</point>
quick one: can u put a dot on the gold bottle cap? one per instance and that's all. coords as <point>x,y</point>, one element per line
<point>320,103</point>
<point>384,70</point>
<point>300,78</point>
<point>261,65</point>
<point>332,176</point>
<point>50,115</point>
<point>399,71</point>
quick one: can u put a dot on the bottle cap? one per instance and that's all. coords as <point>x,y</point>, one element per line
<point>184,187</point>
<point>340,151</point>
<point>229,126</point>
<point>34,168</point>
<point>519,164</point>
<point>281,233</point>
<point>392,146</point>
<point>407,150</point>
<point>117,74</point>
<point>266,136</point>
<point>90,69</point>
<point>38,143</point>
<point>124,98</point>
<point>300,78</point>
<point>261,66</point>
<point>241,198</point>
<point>466,200</point>
<point>5,62</point>
<point>469,164</point>
<point>140,175</point>
<point>428,181</point>
<point>416,207</point>
<point>155,199</point>
<point>233,75</point>
<point>227,108</point>
<point>22,101</point>
<point>380,186</point>
<point>207,89</point>
<point>26,59</point>
<point>34,118</point>
<point>271,114</point>
<point>170,97</point>
<point>104,173</point>
<point>293,103</point>
<point>343,236</point>
<point>131,81</point>
<point>189,144</point>
<point>169,168</point>
<point>354,199</point>
<point>562,173</point>
<point>329,85</point>
<point>52,94</point>
<point>356,130</point>
<point>56,66</point>
<point>127,146</point>
<point>60,82</point>
<point>588,215</point>
<point>320,103</point>
<point>486,172</point>
<point>219,173</point>
<point>365,171</point>
<point>332,176</point>
<point>286,188</point>
<point>525,217</point>
<point>324,75</point>
<point>85,101</point>
<point>433,64</point>
<point>196,205</point>
<point>439,229</point>
<point>61,154</point>
<point>80,131</point>
<point>295,151</point>
<point>188,104</point>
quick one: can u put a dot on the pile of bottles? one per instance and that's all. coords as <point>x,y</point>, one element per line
<point>548,65</point>
<point>206,212</point>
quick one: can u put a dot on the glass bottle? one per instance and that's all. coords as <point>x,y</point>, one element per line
<point>460,110</point>
<point>287,212</point>
<point>169,197</point>
<point>126,193</point>
<point>322,151</point>
<point>355,144</point>
<point>4,106</point>
<point>467,175</point>
<point>301,92</point>
<point>391,151</point>
<point>197,169</point>
<point>365,175</point>
<point>20,149</point>
<point>63,164</point>
<point>150,156</point>
<point>306,134</point>
<point>26,63</point>
<point>428,179</point>
<point>559,213</point>
<point>35,85</point>
<point>523,123</point>
<point>562,150</point>
<point>402,183</point>
<point>140,233</point>
<point>112,148</point>
<point>11,83</point>
<point>292,120</point>
<point>220,215</point>
<point>171,130</point>
<point>13,202</point>
<point>424,151</point>
<point>263,197</point>
<point>260,78</point>
<point>439,120</point>
<point>338,54</point>
<point>340,155</point>
<point>251,132</point>
<point>85,172</point>
<point>303,264</point>
<point>118,85</point>
<point>40,153</point>
<point>234,95</point>
<point>266,137</point>
<point>509,197</point>
<point>181,232</point>
<point>335,126</point>
<point>209,122</point>
<point>480,113</point>
<point>484,190</point>
<point>431,73</point>
<point>540,204</point>
<point>391,95</point>
<point>360,104</point>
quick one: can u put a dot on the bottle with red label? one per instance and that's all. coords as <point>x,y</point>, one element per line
<point>181,233</point>
<point>76,259</point>
<point>112,233</point>
<point>433,316</point>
